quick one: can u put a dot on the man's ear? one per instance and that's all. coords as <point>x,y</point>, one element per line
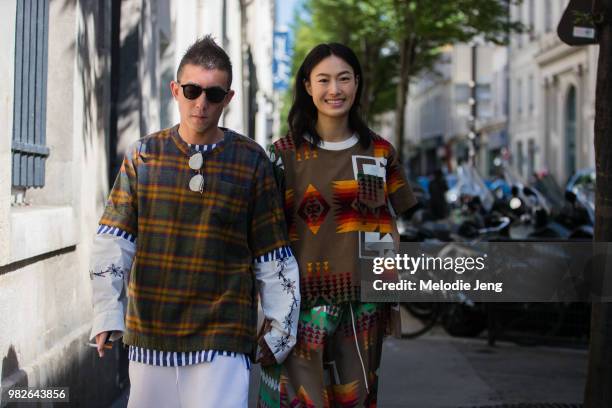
<point>228,97</point>
<point>308,87</point>
<point>175,88</point>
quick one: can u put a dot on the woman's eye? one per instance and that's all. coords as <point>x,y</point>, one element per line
<point>321,81</point>
<point>345,79</point>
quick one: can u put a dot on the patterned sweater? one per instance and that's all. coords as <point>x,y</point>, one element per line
<point>339,199</point>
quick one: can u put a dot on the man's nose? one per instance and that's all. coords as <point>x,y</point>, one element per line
<point>201,101</point>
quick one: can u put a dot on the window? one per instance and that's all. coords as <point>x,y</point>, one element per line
<point>462,93</point>
<point>548,15</point>
<point>531,94</point>
<point>519,17</point>
<point>29,110</point>
<point>520,158</point>
<point>483,93</point>
<point>519,97</point>
<point>531,151</point>
<point>224,33</point>
<point>571,109</point>
<point>506,92</point>
<point>531,19</point>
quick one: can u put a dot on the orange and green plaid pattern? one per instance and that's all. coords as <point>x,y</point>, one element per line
<point>192,286</point>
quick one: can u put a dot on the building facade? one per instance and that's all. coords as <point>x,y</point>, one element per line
<point>56,114</point>
<point>552,95</point>
<point>453,106</point>
<point>535,102</point>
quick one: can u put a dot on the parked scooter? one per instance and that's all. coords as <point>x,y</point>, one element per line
<point>542,211</point>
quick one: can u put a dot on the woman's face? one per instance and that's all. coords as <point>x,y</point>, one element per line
<point>332,85</point>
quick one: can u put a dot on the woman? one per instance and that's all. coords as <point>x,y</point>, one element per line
<point>342,184</point>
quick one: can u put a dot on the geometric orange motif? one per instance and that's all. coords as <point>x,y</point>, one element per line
<point>304,398</point>
<point>313,209</point>
<point>351,214</point>
<point>346,395</point>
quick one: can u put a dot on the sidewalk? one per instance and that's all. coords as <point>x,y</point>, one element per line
<point>438,371</point>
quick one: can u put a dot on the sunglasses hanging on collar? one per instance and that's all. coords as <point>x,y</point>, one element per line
<point>196,183</point>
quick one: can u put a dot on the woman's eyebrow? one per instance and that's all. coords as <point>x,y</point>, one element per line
<point>338,74</point>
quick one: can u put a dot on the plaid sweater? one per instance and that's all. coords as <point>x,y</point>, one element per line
<point>191,286</point>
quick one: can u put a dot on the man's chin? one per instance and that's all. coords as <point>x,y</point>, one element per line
<point>200,127</point>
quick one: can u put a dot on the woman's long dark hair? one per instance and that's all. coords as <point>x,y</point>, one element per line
<point>303,114</point>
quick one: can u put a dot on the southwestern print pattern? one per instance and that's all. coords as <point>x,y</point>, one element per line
<point>343,199</point>
<point>353,214</point>
<point>313,209</point>
<point>319,328</point>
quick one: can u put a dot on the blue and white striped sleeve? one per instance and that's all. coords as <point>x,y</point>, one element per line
<point>279,289</point>
<point>113,252</point>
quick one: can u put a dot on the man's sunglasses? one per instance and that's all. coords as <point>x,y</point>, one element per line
<point>214,94</point>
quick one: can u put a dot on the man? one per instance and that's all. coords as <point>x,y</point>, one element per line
<point>195,216</point>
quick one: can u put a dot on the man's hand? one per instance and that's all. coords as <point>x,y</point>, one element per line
<point>101,341</point>
<point>266,357</point>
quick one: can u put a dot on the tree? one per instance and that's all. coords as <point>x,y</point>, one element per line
<point>423,27</point>
<point>396,40</point>
<point>598,391</point>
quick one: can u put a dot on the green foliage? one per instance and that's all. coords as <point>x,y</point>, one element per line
<point>376,30</point>
<point>584,19</point>
<point>286,100</point>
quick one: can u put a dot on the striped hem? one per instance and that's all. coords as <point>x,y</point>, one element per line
<point>107,229</point>
<point>277,254</point>
<point>161,358</point>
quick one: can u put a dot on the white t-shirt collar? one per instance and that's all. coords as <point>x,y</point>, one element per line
<point>345,144</point>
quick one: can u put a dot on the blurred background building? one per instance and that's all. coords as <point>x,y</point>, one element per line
<point>552,96</point>
<point>534,102</point>
<point>446,108</point>
<point>83,80</point>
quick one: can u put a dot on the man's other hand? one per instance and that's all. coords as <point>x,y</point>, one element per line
<point>101,341</point>
<point>266,357</point>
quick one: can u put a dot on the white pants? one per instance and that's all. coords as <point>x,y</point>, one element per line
<point>222,383</point>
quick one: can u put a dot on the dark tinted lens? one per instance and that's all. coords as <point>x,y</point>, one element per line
<point>215,94</point>
<point>192,91</point>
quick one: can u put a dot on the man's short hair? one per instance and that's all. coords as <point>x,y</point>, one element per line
<point>207,54</point>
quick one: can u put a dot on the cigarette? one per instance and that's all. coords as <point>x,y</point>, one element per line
<point>107,346</point>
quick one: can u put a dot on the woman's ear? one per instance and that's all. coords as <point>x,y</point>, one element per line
<point>308,87</point>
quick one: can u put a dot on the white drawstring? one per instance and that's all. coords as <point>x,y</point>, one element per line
<point>365,377</point>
